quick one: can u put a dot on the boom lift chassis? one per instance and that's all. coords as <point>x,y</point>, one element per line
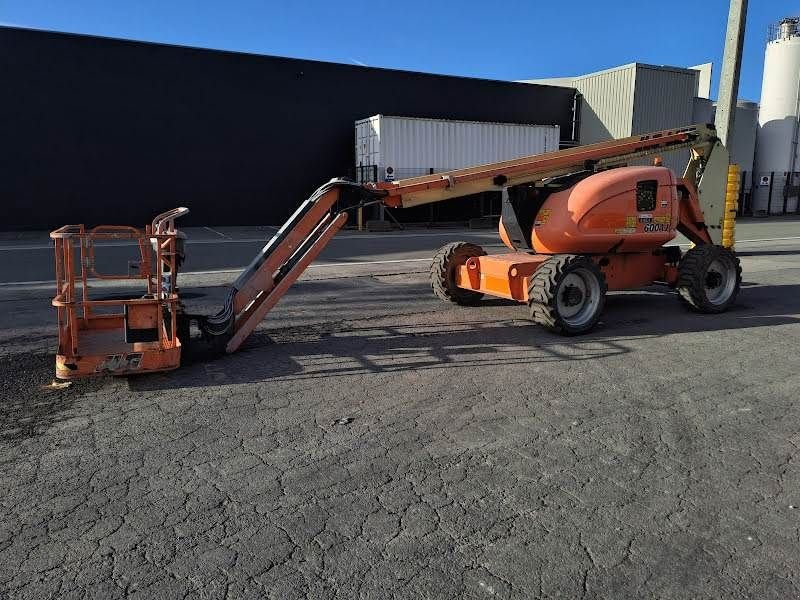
<point>147,335</point>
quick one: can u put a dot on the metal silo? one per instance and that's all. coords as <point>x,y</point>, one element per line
<point>776,154</point>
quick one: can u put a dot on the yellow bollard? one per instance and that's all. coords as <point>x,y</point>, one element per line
<point>731,206</point>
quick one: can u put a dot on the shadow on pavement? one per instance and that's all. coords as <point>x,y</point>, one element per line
<point>309,354</point>
<point>339,349</point>
<point>28,407</point>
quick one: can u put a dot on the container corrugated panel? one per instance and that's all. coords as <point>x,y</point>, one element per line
<point>413,146</point>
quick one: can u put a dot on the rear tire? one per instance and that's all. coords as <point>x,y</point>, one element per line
<point>709,278</point>
<point>444,267</point>
<point>567,294</point>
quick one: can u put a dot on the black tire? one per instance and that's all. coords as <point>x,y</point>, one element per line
<point>556,288</point>
<point>709,278</point>
<point>443,273</point>
<point>184,328</point>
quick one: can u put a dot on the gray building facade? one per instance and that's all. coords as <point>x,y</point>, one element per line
<point>101,130</point>
<point>636,98</point>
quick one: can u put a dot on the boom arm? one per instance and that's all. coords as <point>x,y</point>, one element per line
<point>278,264</point>
<point>472,180</point>
<point>304,235</point>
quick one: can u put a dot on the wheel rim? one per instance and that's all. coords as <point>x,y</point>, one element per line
<point>720,281</point>
<point>578,297</point>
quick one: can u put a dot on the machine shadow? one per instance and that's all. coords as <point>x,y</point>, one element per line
<point>30,407</point>
<point>379,349</point>
<point>334,350</point>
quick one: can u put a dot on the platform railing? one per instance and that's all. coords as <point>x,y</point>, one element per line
<point>76,312</point>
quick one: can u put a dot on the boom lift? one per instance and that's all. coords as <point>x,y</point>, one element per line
<point>577,222</point>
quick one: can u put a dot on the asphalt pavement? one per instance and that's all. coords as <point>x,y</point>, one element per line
<point>370,441</point>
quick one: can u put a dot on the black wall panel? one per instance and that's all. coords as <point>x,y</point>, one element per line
<point>98,130</point>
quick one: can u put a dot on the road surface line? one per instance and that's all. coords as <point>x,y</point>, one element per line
<point>239,269</point>
<point>766,240</point>
<point>321,265</point>
<point>264,240</point>
<point>219,233</point>
<point>349,237</point>
<point>41,282</point>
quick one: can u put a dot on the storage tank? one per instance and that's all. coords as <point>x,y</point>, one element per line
<point>743,145</point>
<point>776,149</point>
<point>703,110</point>
<point>400,147</point>
<point>742,142</point>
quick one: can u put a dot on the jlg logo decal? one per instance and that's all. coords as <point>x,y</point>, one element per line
<point>121,362</point>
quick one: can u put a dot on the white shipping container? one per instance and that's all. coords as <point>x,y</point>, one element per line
<point>408,147</point>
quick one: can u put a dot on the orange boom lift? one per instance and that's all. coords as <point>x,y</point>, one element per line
<point>577,222</point>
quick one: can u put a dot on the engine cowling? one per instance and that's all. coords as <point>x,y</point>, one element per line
<point>628,209</point>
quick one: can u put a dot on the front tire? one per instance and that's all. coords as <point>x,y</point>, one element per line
<point>567,294</point>
<point>444,268</point>
<point>709,278</point>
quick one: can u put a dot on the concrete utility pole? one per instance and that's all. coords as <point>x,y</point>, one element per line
<point>729,78</point>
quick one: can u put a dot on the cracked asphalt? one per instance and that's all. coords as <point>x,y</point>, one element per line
<point>372,442</point>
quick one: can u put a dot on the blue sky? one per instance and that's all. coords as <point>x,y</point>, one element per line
<point>514,39</point>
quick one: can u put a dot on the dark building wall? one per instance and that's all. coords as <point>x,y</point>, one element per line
<point>98,130</point>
